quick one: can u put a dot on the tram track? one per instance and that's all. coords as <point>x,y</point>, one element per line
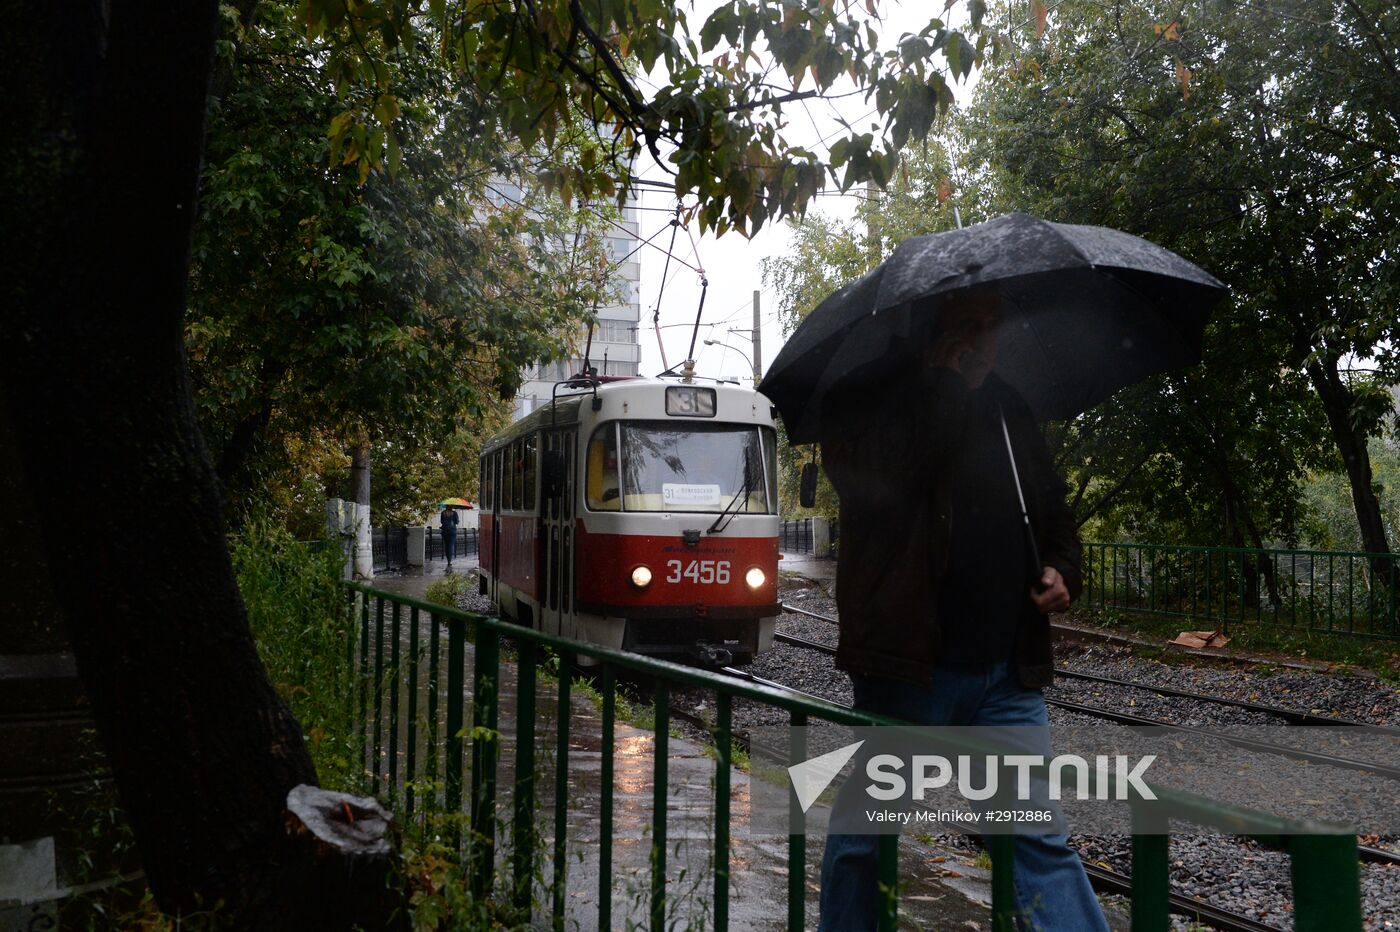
<point>1291,716</point>
<point>1126,718</point>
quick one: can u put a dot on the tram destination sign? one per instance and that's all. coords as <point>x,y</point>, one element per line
<point>690,401</point>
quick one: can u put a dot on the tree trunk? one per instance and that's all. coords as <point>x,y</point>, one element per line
<point>359,494</point>
<point>1337,403</point>
<point>359,473</point>
<point>102,166</point>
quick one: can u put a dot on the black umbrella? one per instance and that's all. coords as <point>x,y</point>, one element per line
<point>1085,311</point>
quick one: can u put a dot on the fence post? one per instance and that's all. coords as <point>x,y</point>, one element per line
<point>417,546</point>
<point>1326,882</point>
<point>456,686</point>
<point>821,536</point>
<point>364,549</point>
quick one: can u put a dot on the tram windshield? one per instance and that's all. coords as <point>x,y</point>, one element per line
<point>698,467</point>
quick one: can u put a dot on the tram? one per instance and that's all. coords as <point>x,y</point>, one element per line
<point>638,514</point>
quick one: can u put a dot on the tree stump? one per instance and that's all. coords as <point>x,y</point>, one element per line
<point>343,847</point>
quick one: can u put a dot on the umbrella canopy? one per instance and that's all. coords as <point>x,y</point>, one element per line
<point>455,503</point>
<point>1085,311</point>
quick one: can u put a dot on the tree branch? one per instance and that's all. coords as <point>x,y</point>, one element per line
<point>636,108</point>
<point>1371,36</point>
<point>1113,492</point>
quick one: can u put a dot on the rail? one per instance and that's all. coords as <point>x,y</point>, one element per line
<point>408,698</point>
<point>468,543</point>
<point>1325,591</point>
<point>796,536</point>
<point>389,547</point>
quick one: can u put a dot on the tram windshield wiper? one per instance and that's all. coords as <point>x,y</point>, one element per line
<point>743,492</point>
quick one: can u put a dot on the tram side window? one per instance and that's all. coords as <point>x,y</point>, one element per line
<point>497,480</point>
<point>484,496</point>
<point>527,472</point>
<point>507,478</point>
<point>513,464</point>
<point>602,485</point>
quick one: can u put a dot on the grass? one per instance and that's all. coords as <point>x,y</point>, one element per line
<point>1381,657</point>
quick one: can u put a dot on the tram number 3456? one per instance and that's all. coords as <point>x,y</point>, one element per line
<point>704,572</point>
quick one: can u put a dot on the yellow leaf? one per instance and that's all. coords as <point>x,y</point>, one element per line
<point>1171,31</point>
<point>1041,12</point>
<point>1183,77</point>
<point>945,190</point>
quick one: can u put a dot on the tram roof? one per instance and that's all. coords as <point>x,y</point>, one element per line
<point>564,411</point>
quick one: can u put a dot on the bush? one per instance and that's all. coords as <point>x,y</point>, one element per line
<point>299,616</point>
<point>450,589</point>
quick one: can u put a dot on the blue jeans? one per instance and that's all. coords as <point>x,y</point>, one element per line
<point>449,544</point>
<point>1052,892</point>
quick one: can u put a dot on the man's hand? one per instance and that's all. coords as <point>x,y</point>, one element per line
<point>1051,595</point>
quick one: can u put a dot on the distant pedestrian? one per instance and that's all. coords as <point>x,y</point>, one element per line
<point>449,533</point>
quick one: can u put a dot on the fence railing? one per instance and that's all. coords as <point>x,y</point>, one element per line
<point>796,536</point>
<point>389,546</point>
<point>468,543</point>
<point>1329,591</point>
<point>412,705</point>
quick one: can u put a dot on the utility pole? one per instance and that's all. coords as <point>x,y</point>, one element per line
<point>757,343</point>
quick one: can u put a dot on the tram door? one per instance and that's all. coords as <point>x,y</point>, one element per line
<point>558,540</point>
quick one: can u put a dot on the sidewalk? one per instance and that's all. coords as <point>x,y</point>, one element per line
<point>414,581</point>
<point>819,569</point>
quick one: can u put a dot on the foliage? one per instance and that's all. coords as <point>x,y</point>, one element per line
<point>326,307</point>
<point>449,590</point>
<point>1329,499</point>
<point>1261,142</point>
<point>297,612</point>
<point>719,97</point>
<point>412,472</point>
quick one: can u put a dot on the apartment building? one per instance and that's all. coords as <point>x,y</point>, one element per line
<point>616,348</point>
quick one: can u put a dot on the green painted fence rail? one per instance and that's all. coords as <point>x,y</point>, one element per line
<point>1337,592</point>
<point>1324,863</point>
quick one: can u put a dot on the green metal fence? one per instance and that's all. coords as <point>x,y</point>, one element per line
<point>412,693</point>
<point>1330,591</point>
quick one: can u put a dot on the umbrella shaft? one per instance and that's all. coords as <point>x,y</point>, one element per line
<point>1036,565</point>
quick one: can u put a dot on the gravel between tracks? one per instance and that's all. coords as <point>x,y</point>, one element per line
<point>1358,698</point>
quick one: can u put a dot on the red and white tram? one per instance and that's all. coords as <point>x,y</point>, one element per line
<point>639,514</point>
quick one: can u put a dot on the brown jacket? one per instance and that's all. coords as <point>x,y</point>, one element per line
<point>888,452</point>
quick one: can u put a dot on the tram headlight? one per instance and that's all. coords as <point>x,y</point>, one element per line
<point>641,576</point>
<point>755,577</point>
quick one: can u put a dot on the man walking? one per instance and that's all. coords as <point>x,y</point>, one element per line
<point>943,616</point>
